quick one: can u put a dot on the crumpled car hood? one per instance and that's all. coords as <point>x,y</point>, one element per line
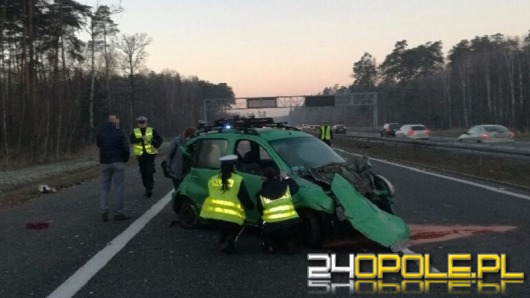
<point>350,183</point>
<point>358,173</point>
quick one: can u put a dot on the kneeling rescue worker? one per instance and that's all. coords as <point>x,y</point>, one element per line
<point>222,207</point>
<point>275,204</point>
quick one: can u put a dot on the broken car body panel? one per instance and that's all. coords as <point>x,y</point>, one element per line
<point>313,197</point>
<point>365,200</point>
<point>374,223</point>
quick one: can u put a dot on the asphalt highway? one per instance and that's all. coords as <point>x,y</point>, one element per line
<point>79,255</point>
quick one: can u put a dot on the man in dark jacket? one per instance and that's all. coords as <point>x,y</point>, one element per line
<point>114,152</point>
<point>274,204</point>
<point>146,141</point>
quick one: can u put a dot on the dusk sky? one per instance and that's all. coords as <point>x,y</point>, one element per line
<point>299,47</point>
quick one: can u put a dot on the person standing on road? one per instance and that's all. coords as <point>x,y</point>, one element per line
<point>325,133</point>
<point>114,152</point>
<point>146,141</point>
<point>175,159</point>
<point>275,205</point>
<point>222,207</point>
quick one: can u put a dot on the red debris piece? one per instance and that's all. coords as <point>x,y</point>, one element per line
<point>37,225</point>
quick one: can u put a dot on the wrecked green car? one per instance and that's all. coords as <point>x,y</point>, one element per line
<point>333,192</point>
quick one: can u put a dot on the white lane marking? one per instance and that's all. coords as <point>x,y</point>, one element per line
<point>491,188</point>
<point>75,282</point>
<point>408,251</point>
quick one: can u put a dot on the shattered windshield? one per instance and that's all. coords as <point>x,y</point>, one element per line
<point>305,152</point>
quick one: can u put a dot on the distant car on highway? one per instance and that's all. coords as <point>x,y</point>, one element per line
<point>389,129</point>
<point>414,131</point>
<point>312,127</point>
<point>487,133</point>
<point>339,129</point>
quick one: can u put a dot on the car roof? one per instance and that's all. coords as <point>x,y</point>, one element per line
<point>489,125</point>
<point>264,128</point>
<point>412,126</point>
<point>269,134</point>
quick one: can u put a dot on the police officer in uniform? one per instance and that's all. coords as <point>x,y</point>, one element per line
<point>275,205</point>
<point>223,206</point>
<point>146,141</point>
<point>326,134</point>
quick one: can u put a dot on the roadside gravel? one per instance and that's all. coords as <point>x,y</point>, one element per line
<point>19,185</point>
<point>9,180</point>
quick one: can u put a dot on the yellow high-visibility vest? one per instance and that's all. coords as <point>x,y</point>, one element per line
<point>280,209</point>
<point>325,132</point>
<point>224,205</point>
<point>149,148</point>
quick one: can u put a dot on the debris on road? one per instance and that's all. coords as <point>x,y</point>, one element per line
<point>44,188</point>
<point>38,225</point>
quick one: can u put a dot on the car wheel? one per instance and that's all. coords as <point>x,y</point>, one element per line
<point>312,232</point>
<point>188,214</point>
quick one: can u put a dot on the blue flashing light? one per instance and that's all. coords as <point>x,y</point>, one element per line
<point>227,126</point>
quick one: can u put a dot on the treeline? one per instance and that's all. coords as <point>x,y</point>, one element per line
<point>482,80</point>
<point>57,89</point>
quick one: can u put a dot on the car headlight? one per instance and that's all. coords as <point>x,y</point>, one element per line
<point>388,185</point>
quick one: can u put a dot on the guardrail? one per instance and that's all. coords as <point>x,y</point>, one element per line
<point>523,153</point>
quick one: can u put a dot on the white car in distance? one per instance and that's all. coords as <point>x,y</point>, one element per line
<point>413,131</point>
<point>487,133</point>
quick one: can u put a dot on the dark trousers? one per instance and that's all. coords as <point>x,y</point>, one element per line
<point>147,170</point>
<point>227,234</point>
<point>327,142</point>
<point>279,236</point>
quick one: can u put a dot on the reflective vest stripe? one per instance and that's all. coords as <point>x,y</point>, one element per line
<point>280,209</point>
<point>325,132</point>
<point>222,210</point>
<point>224,205</point>
<point>149,148</point>
<point>276,213</point>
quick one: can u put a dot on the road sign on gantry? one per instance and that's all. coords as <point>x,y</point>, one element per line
<point>356,99</point>
<point>320,100</point>
<point>261,102</point>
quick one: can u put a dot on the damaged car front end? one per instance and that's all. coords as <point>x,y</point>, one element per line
<point>339,196</point>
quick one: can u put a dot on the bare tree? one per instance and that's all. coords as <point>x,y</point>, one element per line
<point>100,27</point>
<point>134,57</point>
<point>3,83</point>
